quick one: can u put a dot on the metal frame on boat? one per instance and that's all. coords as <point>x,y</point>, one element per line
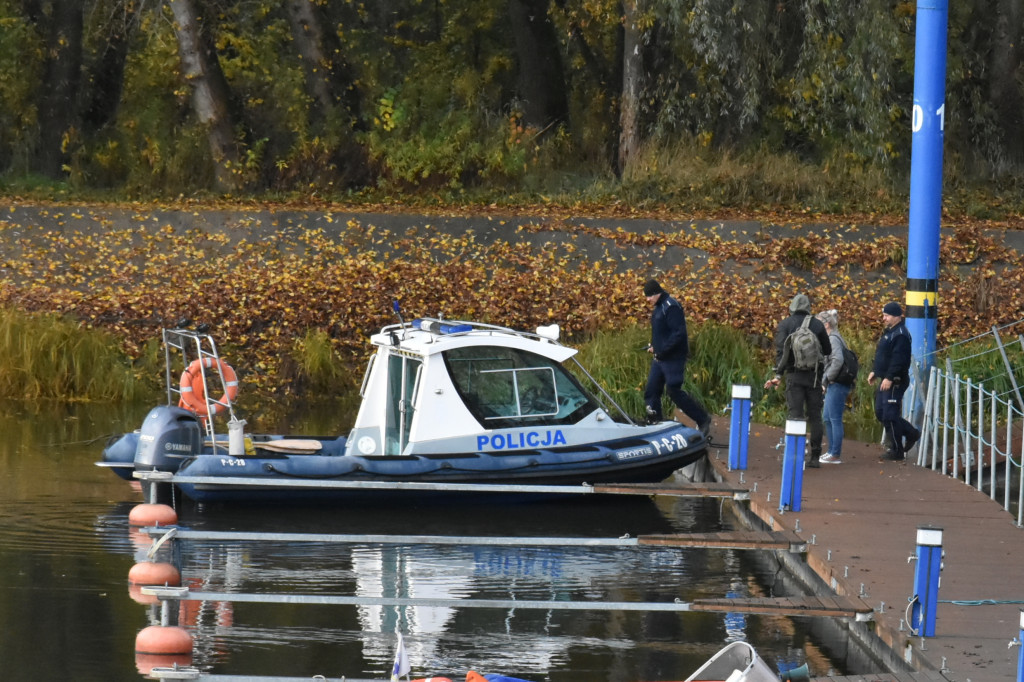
<point>443,402</point>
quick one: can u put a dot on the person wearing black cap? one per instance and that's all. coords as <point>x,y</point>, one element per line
<point>804,395</point>
<point>671,348</point>
<point>892,367</point>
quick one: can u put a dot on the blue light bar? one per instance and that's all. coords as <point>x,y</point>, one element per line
<point>438,327</point>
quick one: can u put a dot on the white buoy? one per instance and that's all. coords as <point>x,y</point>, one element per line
<point>236,437</point>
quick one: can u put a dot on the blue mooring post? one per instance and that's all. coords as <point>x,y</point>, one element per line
<point>793,466</point>
<point>926,581</point>
<point>927,128</point>
<point>739,428</point>
<point>1020,653</point>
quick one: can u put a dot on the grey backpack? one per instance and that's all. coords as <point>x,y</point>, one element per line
<point>805,346</point>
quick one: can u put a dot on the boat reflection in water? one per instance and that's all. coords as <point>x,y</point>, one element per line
<point>249,638</point>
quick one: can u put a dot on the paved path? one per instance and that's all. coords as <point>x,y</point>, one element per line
<point>863,517</point>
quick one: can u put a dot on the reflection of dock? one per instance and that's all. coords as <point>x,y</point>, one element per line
<point>834,607</point>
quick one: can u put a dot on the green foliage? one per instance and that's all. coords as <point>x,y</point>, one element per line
<point>750,105</point>
<point>721,356</point>
<point>49,357</point>
<point>151,147</point>
<point>444,125</point>
<point>20,68</point>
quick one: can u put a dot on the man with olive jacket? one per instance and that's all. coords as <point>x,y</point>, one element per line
<point>804,395</point>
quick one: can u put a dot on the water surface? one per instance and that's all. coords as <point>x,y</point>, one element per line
<point>66,549</point>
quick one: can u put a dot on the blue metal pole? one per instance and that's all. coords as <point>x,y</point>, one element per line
<point>926,581</point>
<point>927,124</point>
<point>1020,653</point>
<point>793,466</point>
<point>739,428</point>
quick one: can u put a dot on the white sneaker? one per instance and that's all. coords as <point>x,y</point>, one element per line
<point>829,458</point>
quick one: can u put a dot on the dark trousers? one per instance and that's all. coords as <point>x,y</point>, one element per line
<point>889,411</point>
<point>804,400</point>
<point>669,374</point>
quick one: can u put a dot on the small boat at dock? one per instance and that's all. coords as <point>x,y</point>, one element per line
<point>443,403</point>
<point>738,662</point>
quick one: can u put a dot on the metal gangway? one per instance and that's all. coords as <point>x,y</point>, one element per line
<point>975,433</point>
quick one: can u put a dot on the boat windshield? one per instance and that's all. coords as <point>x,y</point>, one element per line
<point>508,387</point>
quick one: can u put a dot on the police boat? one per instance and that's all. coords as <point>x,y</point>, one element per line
<point>447,407</point>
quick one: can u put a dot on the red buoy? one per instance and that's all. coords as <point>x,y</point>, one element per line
<point>154,573</point>
<point>163,640</point>
<point>147,514</point>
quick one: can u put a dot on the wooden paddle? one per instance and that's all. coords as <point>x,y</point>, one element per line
<point>290,445</point>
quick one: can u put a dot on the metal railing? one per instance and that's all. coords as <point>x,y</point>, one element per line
<point>974,434</point>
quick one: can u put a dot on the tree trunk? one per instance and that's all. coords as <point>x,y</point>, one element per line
<point>308,37</point>
<point>632,86</point>
<point>105,79</point>
<point>61,28</point>
<point>541,80</point>
<point>1004,88</point>
<point>202,72</point>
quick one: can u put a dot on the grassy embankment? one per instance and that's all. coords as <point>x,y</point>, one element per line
<point>52,358</point>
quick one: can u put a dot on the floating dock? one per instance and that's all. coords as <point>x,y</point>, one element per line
<point>860,520</point>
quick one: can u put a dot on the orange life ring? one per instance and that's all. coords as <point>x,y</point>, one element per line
<point>192,394</point>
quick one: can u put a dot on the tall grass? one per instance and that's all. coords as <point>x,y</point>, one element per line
<point>51,357</point>
<point>48,357</point>
<point>318,364</point>
<point>981,361</point>
<point>720,357</point>
<point>618,360</point>
<point>694,173</point>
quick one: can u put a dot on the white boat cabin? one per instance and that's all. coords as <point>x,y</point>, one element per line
<point>436,387</point>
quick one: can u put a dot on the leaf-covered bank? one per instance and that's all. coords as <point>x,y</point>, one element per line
<point>292,296</point>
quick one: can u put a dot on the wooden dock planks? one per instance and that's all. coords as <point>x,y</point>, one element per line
<point>831,606</point>
<point>787,541</point>
<point>676,489</point>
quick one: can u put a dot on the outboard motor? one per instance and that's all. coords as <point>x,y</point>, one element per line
<point>168,435</point>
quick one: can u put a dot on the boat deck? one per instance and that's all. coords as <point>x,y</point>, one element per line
<point>860,520</point>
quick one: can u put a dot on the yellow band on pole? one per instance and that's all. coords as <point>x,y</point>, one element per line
<point>918,298</point>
